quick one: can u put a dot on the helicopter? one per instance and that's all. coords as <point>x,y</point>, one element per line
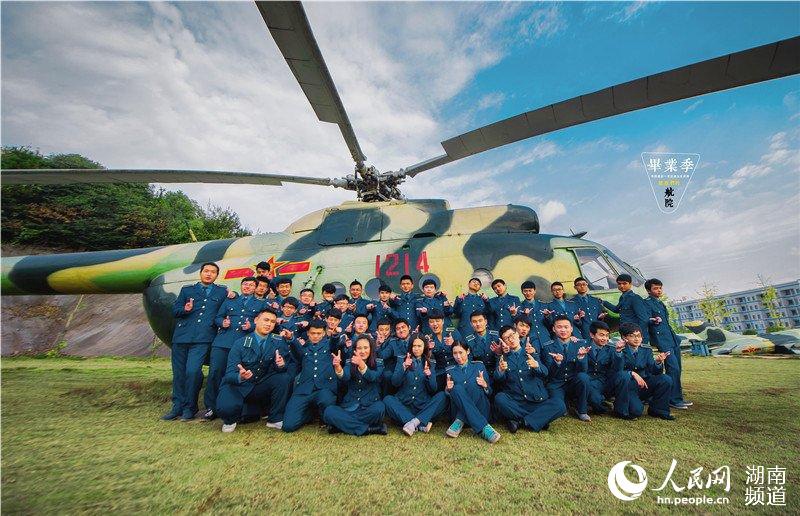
<point>381,235</point>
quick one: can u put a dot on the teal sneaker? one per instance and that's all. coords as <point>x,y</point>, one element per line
<point>490,434</point>
<point>455,428</point>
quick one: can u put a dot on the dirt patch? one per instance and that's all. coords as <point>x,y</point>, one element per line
<point>774,391</point>
<point>126,394</point>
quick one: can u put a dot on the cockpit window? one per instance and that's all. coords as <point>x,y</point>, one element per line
<point>622,265</point>
<point>595,269</point>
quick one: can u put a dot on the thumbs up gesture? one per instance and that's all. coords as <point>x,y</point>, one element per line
<point>357,361</point>
<point>582,351</point>
<point>286,334</point>
<point>502,364</point>
<point>246,325</point>
<point>513,309</point>
<point>244,374</point>
<point>480,380</point>
<point>279,359</point>
<point>620,345</point>
<point>532,363</point>
<point>496,347</point>
<point>407,362</point>
<point>449,386</point>
<point>189,305</point>
<point>529,348</point>
<point>226,322</point>
<point>431,344</point>
<point>448,339</point>
<point>427,369</point>
<point>349,328</point>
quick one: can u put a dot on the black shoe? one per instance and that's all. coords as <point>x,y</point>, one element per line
<point>171,415</point>
<point>381,429</point>
<point>187,415</point>
<point>333,430</point>
<point>665,417</point>
<point>208,415</point>
<point>546,427</point>
<point>513,426</point>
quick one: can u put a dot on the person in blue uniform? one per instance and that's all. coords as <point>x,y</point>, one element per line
<point>566,363</point>
<point>468,389</point>
<point>500,306</point>
<point>432,299</point>
<point>342,303</point>
<point>234,320</point>
<point>639,377</point>
<point>440,342</point>
<point>663,338</point>
<point>315,385</point>
<point>328,293</point>
<point>361,410</point>
<point>631,307</point>
<point>289,318</point>
<point>194,310</point>
<point>405,303</point>
<point>561,306</point>
<point>307,305</point>
<point>395,349</point>
<point>418,400</point>
<point>262,288</point>
<point>358,305</point>
<point>472,301</point>
<point>283,289</point>
<point>382,333</point>
<point>590,309</point>
<point>599,366</point>
<point>260,368</point>
<point>484,343</point>
<point>360,327</point>
<point>524,400</point>
<point>381,309</point>
<point>532,308</point>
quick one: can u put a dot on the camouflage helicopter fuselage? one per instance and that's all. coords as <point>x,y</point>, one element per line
<point>373,242</point>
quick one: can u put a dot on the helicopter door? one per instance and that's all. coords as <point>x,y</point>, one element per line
<point>342,227</point>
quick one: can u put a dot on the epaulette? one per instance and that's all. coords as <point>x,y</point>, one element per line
<point>379,361</point>
<point>470,338</point>
<point>449,367</point>
<point>248,342</point>
<point>450,329</point>
<point>493,332</point>
<point>347,361</point>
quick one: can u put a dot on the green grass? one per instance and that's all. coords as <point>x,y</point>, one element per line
<point>84,436</point>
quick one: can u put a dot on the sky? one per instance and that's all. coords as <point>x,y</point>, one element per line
<point>203,86</point>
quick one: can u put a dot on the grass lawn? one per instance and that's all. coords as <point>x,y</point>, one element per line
<point>85,436</point>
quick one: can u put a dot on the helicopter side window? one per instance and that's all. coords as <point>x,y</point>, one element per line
<point>350,227</point>
<point>596,269</point>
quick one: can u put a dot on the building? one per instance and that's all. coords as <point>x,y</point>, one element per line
<point>747,310</point>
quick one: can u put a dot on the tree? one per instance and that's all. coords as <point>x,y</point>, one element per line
<point>713,308</point>
<point>672,314</point>
<point>101,216</point>
<point>770,301</point>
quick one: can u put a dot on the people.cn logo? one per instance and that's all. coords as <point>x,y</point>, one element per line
<point>621,487</point>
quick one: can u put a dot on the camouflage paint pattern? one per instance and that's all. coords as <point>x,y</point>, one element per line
<point>354,240</point>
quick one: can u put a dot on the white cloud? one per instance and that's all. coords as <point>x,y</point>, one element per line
<point>693,106</point>
<point>543,23</point>
<point>491,100</point>
<point>202,85</point>
<point>550,210</point>
<point>629,11</point>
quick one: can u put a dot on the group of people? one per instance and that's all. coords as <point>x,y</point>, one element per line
<point>355,361</point>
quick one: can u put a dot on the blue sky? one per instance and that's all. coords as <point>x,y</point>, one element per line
<point>202,85</point>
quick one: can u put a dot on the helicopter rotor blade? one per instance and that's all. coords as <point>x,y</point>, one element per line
<point>764,63</point>
<point>289,27</point>
<point>81,175</point>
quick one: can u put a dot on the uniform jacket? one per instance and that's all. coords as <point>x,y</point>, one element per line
<point>520,381</point>
<point>258,356</point>
<point>197,326</point>
<point>414,386</point>
<point>632,309</point>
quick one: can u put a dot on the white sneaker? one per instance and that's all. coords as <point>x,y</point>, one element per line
<point>229,428</point>
<point>276,426</point>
